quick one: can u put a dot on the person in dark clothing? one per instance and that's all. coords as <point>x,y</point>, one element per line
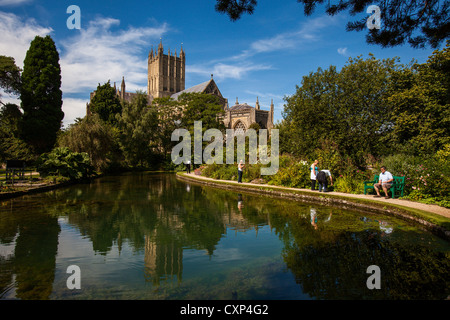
<point>322,178</point>
<point>188,166</point>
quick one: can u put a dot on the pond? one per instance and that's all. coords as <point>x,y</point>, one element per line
<point>151,236</point>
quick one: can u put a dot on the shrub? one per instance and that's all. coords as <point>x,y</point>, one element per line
<point>65,163</point>
<point>430,175</point>
<point>292,172</point>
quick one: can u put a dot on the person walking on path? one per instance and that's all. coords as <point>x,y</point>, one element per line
<point>322,177</point>
<point>314,171</point>
<point>385,182</point>
<point>188,166</point>
<point>240,171</point>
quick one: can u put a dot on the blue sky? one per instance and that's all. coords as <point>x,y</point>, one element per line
<point>263,55</point>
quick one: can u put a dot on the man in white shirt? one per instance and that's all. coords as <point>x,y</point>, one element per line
<point>385,182</point>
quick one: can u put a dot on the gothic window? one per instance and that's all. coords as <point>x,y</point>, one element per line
<point>239,128</point>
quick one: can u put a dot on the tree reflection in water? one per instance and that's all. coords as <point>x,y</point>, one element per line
<point>166,222</point>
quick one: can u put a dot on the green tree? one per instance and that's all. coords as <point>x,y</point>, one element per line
<point>201,107</point>
<point>41,95</point>
<point>9,76</point>
<point>422,105</point>
<point>309,114</point>
<point>169,115</point>
<point>419,23</point>
<point>106,103</point>
<point>11,146</point>
<point>137,125</point>
<point>95,137</point>
<point>348,110</point>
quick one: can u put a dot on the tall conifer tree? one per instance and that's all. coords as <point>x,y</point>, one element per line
<point>41,94</point>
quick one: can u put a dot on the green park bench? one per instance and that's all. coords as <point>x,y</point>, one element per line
<point>398,185</point>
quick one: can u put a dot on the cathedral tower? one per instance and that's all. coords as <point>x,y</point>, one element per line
<point>166,73</point>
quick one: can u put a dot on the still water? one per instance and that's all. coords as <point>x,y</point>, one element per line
<point>150,236</point>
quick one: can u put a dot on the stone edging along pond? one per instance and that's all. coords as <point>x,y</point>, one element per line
<point>437,224</point>
<point>33,190</point>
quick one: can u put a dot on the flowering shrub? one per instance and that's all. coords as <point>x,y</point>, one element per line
<point>427,177</point>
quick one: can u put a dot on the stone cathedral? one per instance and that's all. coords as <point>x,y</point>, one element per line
<point>166,78</point>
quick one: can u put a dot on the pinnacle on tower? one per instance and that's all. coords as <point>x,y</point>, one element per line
<point>160,47</point>
<point>182,52</point>
<point>122,87</point>
<point>150,54</point>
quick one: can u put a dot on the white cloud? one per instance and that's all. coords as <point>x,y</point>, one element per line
<point>97,55</point>
<point>342,51</point>
<point>224,71</point>
<point>94,55</point>
<point>16,36</point>
<point>265,95</point>
<point>308,32</point>
<point>238,66</point>
<point>73,108</point>
<point>13,2</point>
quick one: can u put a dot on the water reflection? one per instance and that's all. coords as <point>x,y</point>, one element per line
<point>165,228</point>
<point>29,244</point>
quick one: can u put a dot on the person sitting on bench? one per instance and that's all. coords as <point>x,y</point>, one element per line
<point>385,182</point>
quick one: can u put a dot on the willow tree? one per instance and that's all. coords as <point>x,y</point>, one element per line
<point>94,137</point>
